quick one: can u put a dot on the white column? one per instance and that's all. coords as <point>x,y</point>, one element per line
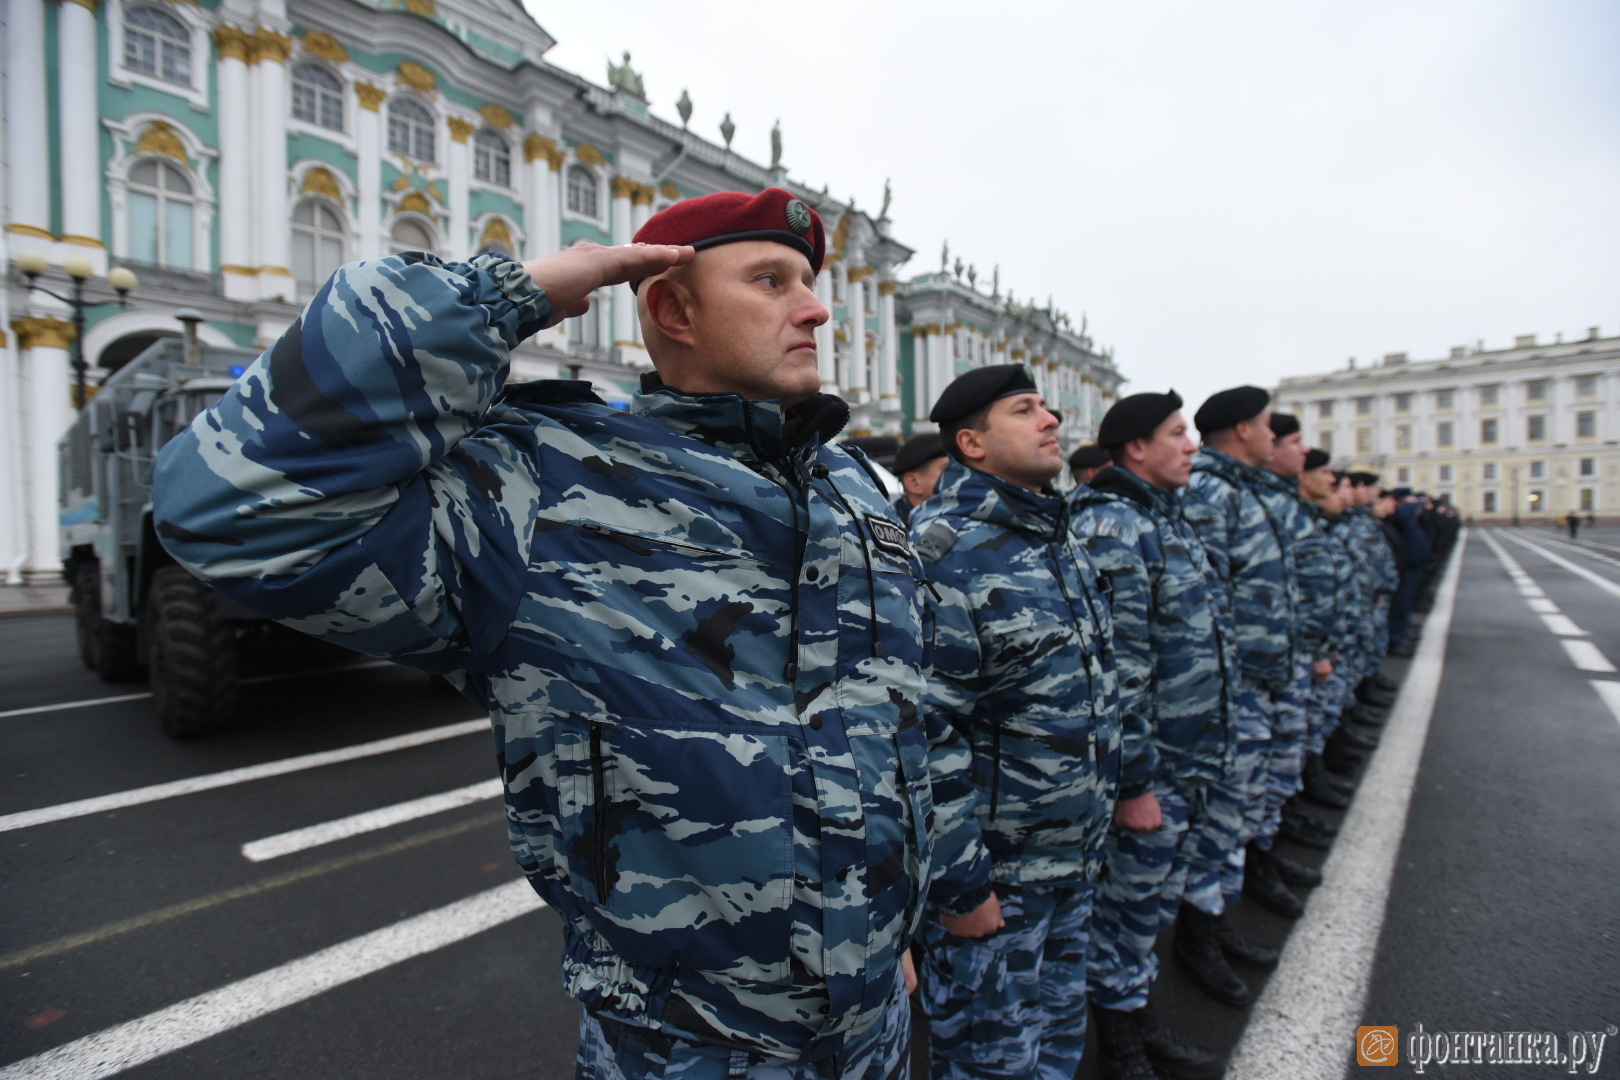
<point>889,384</point>
<point>826,347</point>
<point>26,135</point>
<point>624,301</point>
<point>368,169</point>
<point>458,174</point>
<point>856,377</point>
<point>42,352</point>
<point>538,210</point>
<point>236,256</point>
<point>940,369</point>
<point>270,200</point>
<point>80,137</point>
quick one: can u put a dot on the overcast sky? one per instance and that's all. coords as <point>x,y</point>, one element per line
<point>1232,191</point>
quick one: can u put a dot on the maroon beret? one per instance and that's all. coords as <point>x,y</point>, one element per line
<point>728,216</point>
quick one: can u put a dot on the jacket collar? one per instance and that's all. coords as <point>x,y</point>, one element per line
<point>747,430</point>
<point>1210,460</point>
<point>1125,484</point>
<point>969,492</point>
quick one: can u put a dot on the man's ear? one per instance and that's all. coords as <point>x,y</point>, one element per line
<point>669,305</point>
<point>972,443</point>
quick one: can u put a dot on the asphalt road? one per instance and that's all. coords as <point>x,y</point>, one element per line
<point>146,923</point>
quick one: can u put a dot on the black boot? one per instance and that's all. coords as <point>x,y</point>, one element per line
<point>1199,952</point>
<point>1315,768</point>
<point>1119,1046</point>
<point>1369,694</point>
<point>1239,948</point>
<point>1340,760</point>
<point>1383,682</point>
<point>1361,714</point>
<point>1306,830</point>
<point>1295,874</point>
<point>1173,1055</point>
<point>1351,739</point>
<point>1319,791</point>
<point>1262,885</point>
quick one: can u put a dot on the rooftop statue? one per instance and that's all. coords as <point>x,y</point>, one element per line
<point>623,77</point>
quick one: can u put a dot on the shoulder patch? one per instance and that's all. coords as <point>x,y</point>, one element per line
<point>935,542</point>
<point>889,535</point>
<point>1106,526</point>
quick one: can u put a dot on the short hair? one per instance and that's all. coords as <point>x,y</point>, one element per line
<point>978,420</point>
<point>1116,453</point>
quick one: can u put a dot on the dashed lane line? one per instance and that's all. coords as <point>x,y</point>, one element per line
<point>191,785</point>
<point>1610,693</point>
<point>1563,626</point>
<point>1582,547</point>
<point>1553,557</point>
<point>1303,1026</point>
<point>113,699</point>
<point>1586,656</point>
<point>116,1049</point>
<point>111,930</point>
<point>329,832</point>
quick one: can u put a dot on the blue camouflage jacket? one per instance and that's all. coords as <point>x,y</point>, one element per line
<point>1305,550</point>
<point>1222,505</point>
<point>1021,709</point>
<point>695,624</point>
<point>1174,649</point>
<point>1359,574</point>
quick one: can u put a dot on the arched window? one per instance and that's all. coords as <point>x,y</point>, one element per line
<point>317,244</point>
<point>317,96</point>
<point>410,234</point>
<point>582,193</point>
<point>410,130</point>
<point>161,215</point>
<point>156,43</point>
<point>492,158</point>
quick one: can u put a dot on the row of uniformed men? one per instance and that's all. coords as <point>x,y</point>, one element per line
<point>1246,584</point>
<point>754,741</point>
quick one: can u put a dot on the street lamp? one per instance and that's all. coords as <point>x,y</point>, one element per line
<point>32,264</point>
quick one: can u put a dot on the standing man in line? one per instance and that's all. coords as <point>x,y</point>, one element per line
<point>918,465</point>
<point>1177,663</point>
<point>695,624</point>
<point>1222,506</point>
<point>1086,462</point>
<point>1022,720</point>
<point>1328,497</point>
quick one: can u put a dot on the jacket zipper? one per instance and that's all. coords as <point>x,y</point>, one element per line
<point>599,837</point>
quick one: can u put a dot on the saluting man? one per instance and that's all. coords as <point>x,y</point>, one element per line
<point>1021,716</point>
<point>695,624</point>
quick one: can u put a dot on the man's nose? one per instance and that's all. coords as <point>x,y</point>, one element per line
<point>812,312</point>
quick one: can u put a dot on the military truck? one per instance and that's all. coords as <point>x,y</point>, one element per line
<point>137,613</point>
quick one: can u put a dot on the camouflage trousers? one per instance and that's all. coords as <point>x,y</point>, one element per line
<point>1327,702</point>
<point>1012,1004</point>
<point>1233,807</point>
<point>612,1050</point>
<point>1143,876</point>
<point>1285,769</point>
<point>1380,636</point>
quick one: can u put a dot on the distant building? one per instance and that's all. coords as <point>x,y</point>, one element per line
<point>235,152</point>
<point>1531,432</point>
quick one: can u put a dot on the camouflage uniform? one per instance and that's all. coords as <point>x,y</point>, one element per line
<point>695,624</point>
<point>1351,628</point>
<point>1223,508</point>
<point>1024,731</point>
<point>1177,663</point>
<point>1378,579</point>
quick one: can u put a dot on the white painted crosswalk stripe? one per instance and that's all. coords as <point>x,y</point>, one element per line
<point>1586,656</point>
<point>125,1046</point>
<point>191,785</point>
<point>328,832</point>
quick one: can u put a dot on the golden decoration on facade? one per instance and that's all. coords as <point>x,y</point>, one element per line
<point>160,138</point>
<point>888,288</point>
<point>841,336</point>
<point>232,43</point>
<point>416,202</point>
<point>622,187</point>
<point>371,97</point>
<point>425,8</point>
<point>643,195</point>
<point>841,234</point>
<point>35,231</point>
<point>43,333</point>
<point>496,232</point>
<point>416,77</point>
<point>82,241</point>
<point>860,273</point>
<point>537,146</point>
<point>497,116</point>
<point>1017,354</point>
<point>589,154</point>
<point>268,44</point>
<point>320,181</point>
<point>670,191</point>
<point>324,47</point>
<point>461,130</point>
<point>88,5</point>
<point>233,268</point>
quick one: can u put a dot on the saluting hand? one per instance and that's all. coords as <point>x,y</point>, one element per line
<point>570,276</point>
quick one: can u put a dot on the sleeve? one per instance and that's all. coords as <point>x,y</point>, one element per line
<point>352,483</point>
<point>1213,524</point>
<point>961,875</point>
<point>1125,562</point>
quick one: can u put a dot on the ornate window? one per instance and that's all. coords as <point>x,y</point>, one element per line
<point>157,44</point>
<point>492,158</point>
<point>583,192</point>
<point>317,96</point>
<point>317,244</point>
<point>410,130</point>
<point>411,234</point>
<point>162,215</point>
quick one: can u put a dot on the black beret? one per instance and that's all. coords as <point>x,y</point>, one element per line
<point>1136,417</point>
<point>1230,408</point>
<point>918,451</point>
<point>1090,456</point>
<point>1284,424</point>
<point>973,390</point>
<point>1315,459</point>
<point>1363,479</point>
<point>1401,492</point>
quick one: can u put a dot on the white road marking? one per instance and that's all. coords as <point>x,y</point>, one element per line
<point>1542,606</point>
<point>1303,1027</point>
<point>1563,626</point>
<point>1587,656</point>
<point>328,832</point>
<point>1581,546</point>
<point>1553,557</point>
<point>112,1051</point>
<point>191,785</point>
<point>1610,693</point>
<point>1531,592</point>
<point>281,676</point>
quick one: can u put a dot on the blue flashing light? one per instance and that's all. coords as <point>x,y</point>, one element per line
<point>237,370</point>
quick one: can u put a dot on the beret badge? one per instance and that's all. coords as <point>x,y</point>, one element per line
<point>798,216</point>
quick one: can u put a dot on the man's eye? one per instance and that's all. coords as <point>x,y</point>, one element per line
<point>769,279</point>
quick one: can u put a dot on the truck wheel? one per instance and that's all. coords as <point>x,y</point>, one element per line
<point>194,656</point>
<point>107,648</point>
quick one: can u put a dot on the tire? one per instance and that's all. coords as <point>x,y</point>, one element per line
<point>194,656</point>
<point>107,648</point>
